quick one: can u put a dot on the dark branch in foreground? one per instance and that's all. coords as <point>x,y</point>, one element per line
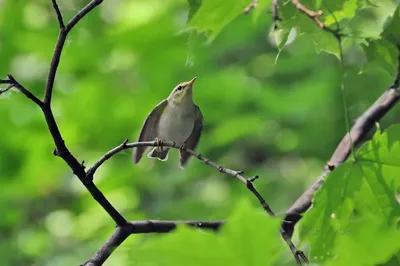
<point>143,227</point>
<point>357,134</point>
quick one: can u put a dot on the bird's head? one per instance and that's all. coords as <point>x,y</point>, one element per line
<point>182,92</point>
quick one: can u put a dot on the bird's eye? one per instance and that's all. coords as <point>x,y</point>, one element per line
<point>179,87</point>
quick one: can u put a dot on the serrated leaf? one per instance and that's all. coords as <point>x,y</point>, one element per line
<point>359,245</point>
<point>214,15</point>
<point>370,22</point>
<point>382,53</point>
<point>366,186</point>
<point>327,42</point>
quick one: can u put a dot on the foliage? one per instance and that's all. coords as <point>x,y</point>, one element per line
<point>278,118</point>
<point>238,243</point>
<point>357,204</point>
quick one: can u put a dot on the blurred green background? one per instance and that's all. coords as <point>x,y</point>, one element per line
<point>280,118</point>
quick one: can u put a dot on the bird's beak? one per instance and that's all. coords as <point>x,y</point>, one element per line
<point>192,81</point>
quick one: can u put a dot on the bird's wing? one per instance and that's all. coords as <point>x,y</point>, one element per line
<point>149,130</point>
<point>194,137</point>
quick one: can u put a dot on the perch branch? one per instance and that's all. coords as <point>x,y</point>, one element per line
<point>357,133</point>
<point>248,182</point>
<point>237,174</point>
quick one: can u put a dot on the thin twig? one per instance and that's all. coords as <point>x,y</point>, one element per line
<point>89,7</point>
<point>275,14</point>
<point>60,44</point>
<point>58,13</point>
<point>314,15</point>
<point>311,14</point>
<point>13,83</point>
<point>7,88</point>
<point>237,174</point>
<point>252,5</point>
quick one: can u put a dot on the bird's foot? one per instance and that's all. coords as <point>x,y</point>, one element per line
<point>182,147</point>
<point>159,143</point>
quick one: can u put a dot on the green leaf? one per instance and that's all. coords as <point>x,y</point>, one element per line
<point>250,237</point>
<point>261,8</point>
<point>364,187</point>
<point>194,5</point>
<point>383,54</point>
<point>371,21</point>
<point>281,37</point>
<point>214,15</point>
<point>367,242</point>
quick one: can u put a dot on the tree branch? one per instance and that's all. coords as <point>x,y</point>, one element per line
<point>357,134</point>
<point>252,5</point>
<point>15,84</point>
<point>60,44</point>
<point>61,149</point>
<point>58,13</point>
<point>143,227</point>
<point>248,182</point>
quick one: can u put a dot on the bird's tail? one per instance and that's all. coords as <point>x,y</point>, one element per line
<point>160,154</point>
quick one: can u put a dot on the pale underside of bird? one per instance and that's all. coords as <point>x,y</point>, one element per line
<point>175,119</point>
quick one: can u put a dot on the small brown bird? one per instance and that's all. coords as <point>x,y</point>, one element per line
<point>175,119</point>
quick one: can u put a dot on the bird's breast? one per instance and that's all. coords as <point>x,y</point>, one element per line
<point>176,124</point>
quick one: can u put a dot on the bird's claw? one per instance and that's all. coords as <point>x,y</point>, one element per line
<point>182,147</point>
<point>159,143</point>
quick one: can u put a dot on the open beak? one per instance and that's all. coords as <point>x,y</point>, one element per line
<point>192,81</point>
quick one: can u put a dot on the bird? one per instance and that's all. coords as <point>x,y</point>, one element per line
<point>176,119</point>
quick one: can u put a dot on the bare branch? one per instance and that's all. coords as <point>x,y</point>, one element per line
<point>143,227</point>
<point>58,13</point>
<point>89,7</point>
<point>62,35</point>
<point>6,89</point>
<point>252,5</point>
<point>171,144</point>
<point>357,133</point>
<point>311,14</point>
<point>15,84</point>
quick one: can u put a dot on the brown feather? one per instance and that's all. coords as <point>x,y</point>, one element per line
<point>149,130</point>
